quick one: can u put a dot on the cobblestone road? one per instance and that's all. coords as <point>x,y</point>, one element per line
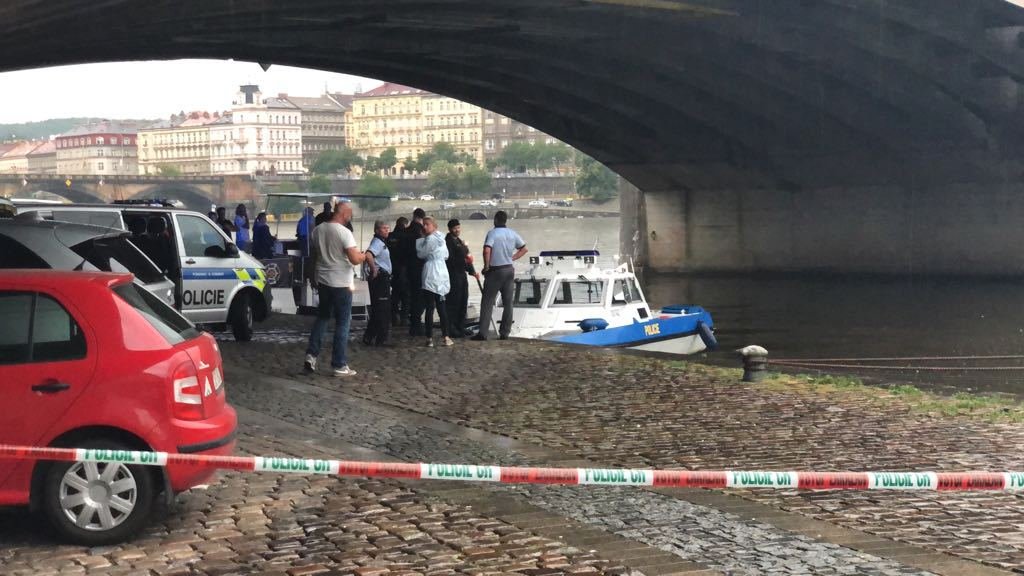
<point>694,533</point>
<point>628,411</point>
<point>284,525</point>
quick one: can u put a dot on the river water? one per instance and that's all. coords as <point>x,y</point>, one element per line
<point>817,317</point>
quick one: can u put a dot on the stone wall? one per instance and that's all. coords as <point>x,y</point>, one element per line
<point>958,229</point>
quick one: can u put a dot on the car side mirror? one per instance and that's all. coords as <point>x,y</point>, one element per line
<point>232,250</point>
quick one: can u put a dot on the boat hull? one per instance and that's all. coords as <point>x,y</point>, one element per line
<point>677,334</point>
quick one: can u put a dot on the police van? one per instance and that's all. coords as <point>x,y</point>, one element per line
<point>216,284</point>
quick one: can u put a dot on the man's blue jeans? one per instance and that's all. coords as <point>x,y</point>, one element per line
<point>336,301</point>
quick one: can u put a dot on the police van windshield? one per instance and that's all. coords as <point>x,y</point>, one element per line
<point>117,254</point>
<point>171,325</point>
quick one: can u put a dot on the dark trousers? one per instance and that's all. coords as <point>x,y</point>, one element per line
<point>399,295</point>
<point>498,280</point>
<point>457,301</point>
<point>336,303</point>
<point>378,328</point>
<point>416,300</point>
<point>431,301</point>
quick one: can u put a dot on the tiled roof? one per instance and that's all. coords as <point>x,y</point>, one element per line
<point>48,147</point>
<point>4,148</point>
<point>106,127</point>
<point>278,103</point>
<point>315,104</point>
<point>391,89</point>
<point>343,99</point>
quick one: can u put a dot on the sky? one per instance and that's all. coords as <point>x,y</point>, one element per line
<point>153,90</point>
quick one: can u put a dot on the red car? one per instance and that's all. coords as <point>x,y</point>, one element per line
<point>91,360</point>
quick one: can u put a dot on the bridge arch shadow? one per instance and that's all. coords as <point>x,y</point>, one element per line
<point>193,197</point>
<point>76,195</point>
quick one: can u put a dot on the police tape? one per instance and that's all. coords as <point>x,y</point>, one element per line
<point>951,481</point>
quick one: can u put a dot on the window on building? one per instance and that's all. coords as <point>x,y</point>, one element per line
<point>99,166</point>
<point>113,141</point>
<point>99,141</point>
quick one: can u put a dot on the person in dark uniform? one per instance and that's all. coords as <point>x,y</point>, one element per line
<point>222,220</point>
<point>378,275</point>
<point>324,216</point>
<point>414,271</point>
<point>459,265</point>
<point>399,281</point>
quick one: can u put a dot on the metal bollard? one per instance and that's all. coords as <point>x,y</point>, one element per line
<point>755,363</point>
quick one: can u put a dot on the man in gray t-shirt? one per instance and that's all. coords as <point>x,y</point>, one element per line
<point>336,255</point>
<point>502,247</point>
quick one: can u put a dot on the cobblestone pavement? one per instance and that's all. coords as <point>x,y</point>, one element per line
<point>624,410</point>
<point>692,532</point>
<point>277,525</point>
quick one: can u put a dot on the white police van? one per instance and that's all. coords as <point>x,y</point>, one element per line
<point>215,284</point>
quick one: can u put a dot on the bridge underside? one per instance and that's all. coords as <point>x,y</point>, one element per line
<point>804,112</point>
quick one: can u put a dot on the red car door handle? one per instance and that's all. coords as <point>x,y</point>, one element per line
<point>51,387</point>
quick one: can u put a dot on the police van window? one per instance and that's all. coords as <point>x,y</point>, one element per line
<point>171,325</point>
<point>15,317</point>
<point>107,219</point>
<point>529,292</point>
<point>117,254</point>
<point>200,237</point>
<point>625,292</point>
<point>14,254</point>
<point>579,292</point>
<point>55,334</point>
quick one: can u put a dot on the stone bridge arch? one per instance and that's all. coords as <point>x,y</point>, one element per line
<point>194,197</point>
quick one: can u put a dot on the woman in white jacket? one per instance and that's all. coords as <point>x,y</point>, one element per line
<point>436,284</point>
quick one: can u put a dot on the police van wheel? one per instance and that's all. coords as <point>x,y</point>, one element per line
<point>241,318</point>
<point>97,503</point>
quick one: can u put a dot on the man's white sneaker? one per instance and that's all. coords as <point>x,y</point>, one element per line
<point>310,363</point>
<point>448,341</point>
<point>430,342</point>
<point>344,371</point>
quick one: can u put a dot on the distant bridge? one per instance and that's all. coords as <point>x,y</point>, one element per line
<point>197,192</point>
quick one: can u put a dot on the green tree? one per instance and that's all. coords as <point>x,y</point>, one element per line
<point>425,160</point>
<point>168,170</point>
<point>320,184</point>
<point>446,152</point>
<point>409,164</point>
<point>371,164</point>
<point>443,180</point>
<point>387,160</point>
<point>475,181</point>
<point>333,161</point>
<point>374,185</point>
<point>594,180</point>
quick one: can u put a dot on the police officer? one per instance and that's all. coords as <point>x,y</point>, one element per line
<point>378,275</point>
<point>460,264</point>
<point>414,271</point>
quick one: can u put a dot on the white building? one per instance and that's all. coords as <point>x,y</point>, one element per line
<point>262,136</point>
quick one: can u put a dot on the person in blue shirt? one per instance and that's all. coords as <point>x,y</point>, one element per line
<point>242,239</point>
<point>378,275</point>
<point>304,265</point>
<point>502,247</point>
<point>262,239</point>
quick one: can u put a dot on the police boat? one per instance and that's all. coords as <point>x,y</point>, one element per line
<point>565,296</point>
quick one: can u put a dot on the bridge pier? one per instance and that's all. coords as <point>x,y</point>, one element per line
<point>970,229</point>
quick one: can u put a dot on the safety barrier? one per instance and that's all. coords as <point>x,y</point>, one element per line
<point>952,481</point>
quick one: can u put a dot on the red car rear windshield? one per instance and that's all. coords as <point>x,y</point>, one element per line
<point>171,325</point>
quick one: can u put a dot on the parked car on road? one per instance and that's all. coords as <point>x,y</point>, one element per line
<point>447,205</point>
<point>91,360</point>
<point>216,284</point>
<point>538,204</point>
<point>41,244</point>
<point>488,203</point>
<point>426,198</point>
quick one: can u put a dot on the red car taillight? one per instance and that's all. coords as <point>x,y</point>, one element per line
<point>188,393</point>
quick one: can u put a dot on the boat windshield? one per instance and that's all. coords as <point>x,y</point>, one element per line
<point>579,292</point>
<point>530,292</point>
<point>625,292</point>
